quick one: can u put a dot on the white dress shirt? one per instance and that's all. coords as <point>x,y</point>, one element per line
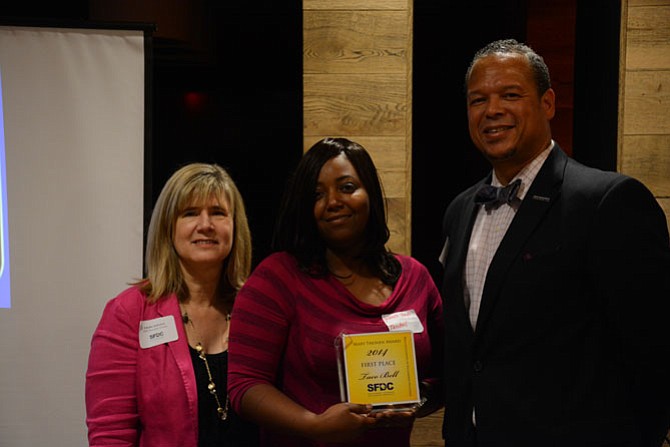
<point>488,231</point>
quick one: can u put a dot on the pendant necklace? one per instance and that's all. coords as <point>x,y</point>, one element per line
<point>222,411</point>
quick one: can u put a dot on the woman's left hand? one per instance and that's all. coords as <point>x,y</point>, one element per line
<point>394,418</point>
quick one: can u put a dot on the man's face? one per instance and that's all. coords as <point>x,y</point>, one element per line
<point>508,121</point>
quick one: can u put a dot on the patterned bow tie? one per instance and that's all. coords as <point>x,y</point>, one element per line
<point>493,196</point>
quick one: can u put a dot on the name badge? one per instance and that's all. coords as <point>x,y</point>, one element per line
<point>403,321</point>
<point>157,331</point>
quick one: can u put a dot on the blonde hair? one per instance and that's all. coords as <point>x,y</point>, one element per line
<point>193,184</point>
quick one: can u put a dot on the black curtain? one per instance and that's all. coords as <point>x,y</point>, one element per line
<point>597,83</point>
<point>240,108</point>
<point>444,160</point>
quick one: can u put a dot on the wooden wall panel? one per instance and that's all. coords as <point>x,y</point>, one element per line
<point>427,431</point>
<point>355,104</point>
<point>646,102</point>
<point>648,37</point>
<point>648,2</point>
<point>647,158</point>
<point>396,210</point>
<point>355,42</point>
<point>644,97</point>
<point>357,59</point>
<point>356,4</point>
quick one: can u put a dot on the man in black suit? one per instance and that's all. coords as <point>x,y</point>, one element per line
<point>556,291</point>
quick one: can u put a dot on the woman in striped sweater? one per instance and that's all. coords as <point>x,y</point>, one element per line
<point>330,274</point>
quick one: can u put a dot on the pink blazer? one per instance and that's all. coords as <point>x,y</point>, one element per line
<point>135,396</point>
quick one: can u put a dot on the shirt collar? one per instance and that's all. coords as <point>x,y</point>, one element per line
<point>529,172</point>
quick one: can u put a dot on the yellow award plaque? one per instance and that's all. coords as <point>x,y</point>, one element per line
<point>379,368</point>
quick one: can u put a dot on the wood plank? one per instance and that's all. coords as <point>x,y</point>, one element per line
<point>647,158</point>
<point>355,41</point>
<point>648,37</point>
<point>388,153</point>
<point>648,3</point>
<point>355,4</point>
<point>371,104</point>
<point>427,431</point>
<point>399,225</point>
<point>646,102</point>
<point>395,184</point>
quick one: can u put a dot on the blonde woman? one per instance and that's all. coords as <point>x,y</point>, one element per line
<point>157,371</point>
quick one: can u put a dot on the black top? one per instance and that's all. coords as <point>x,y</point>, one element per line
<point>213,432</point>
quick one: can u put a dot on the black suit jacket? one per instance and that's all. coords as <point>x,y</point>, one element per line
<point>571,346</point>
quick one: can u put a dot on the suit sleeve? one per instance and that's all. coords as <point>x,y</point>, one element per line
<point>632,259</point>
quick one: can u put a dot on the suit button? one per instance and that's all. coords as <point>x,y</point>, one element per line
<point>477,366</point>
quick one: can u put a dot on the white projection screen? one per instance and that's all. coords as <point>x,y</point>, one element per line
<point>73,139</point>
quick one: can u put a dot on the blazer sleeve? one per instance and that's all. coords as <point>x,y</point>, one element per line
<point>111,400</point>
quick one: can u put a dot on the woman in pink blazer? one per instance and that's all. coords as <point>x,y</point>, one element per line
<point>157,371</point>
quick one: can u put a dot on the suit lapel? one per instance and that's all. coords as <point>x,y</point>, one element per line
<point>458,245</point>
<point>540,198</point>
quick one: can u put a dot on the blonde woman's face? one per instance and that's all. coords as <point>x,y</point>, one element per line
<point>203,235</point>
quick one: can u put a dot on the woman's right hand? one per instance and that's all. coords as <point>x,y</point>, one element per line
<point>270,408</point>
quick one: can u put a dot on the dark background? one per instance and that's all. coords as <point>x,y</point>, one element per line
<point>236,99</point>
<point>232,95</point>
<point>446,36</point>
<point>246,112</point>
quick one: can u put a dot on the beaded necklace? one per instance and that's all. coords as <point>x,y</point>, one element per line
<point>222,411</point>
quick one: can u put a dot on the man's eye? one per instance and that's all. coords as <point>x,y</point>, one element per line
<point>511,96</point>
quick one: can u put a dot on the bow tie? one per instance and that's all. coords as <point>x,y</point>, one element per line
<point>493,196</point>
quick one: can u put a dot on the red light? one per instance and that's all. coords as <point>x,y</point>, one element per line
<point>194,101</point>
